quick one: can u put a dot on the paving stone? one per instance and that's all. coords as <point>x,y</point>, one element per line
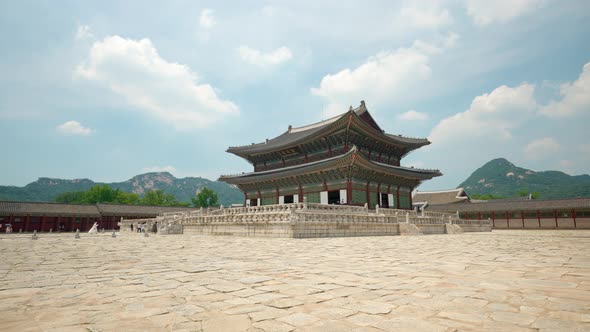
<point>267,313</point>
<point>329,326</point>
<point>273,326</point>
<point>333,313</point>
<point>227,323</point>
<point>254,279</point>
<point>298,319</point>
<point>410,324</point>
<point>474,319</point>
<point>363,319</point>
<point>513,318</point>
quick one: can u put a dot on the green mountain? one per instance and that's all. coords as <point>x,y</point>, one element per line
<point>46,189</point>
<point>499,177</point>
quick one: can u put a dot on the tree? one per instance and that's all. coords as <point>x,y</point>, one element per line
<point>101,194</point>
<point>71,197</point>
<point>127,198</point>
<point>205,198</point>
<point>160,198</point>
<point>98,194</point>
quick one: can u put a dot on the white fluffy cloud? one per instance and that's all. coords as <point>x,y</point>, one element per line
<point>484,12</point>
<point>431,18</point>
<point>206,19</point>
<point>74,128</point>
<point>83,32</point>
<point>542,148</point>
<point>413,115</point>
<point>258,58</point>
<point>165,90</point>
<point>384,77</point>
<point>490,115</point>
<point>575,97</point>
<point>169,169</point>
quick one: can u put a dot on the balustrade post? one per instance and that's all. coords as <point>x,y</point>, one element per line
<point>366,207</point>
<point>377,208</point>
<point>407,217</point>
<point>305,202</point>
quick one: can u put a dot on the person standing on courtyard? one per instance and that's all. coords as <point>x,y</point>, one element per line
<point>131,228</point>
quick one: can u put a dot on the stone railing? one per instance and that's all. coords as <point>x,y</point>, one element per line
<point>300,212</point>
<point>336,208</point>
<point>248,218</point>
<point>304,216</point>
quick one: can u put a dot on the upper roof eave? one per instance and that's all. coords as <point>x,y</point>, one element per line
<point>294,136</point>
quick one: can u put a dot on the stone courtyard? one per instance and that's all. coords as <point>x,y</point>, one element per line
<point>499,281</point>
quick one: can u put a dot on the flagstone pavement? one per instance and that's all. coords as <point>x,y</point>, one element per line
<point>499,281</point>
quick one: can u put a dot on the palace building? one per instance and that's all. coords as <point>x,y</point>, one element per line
<point>347,159</point>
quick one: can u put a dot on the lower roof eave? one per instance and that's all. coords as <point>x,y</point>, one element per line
<point>349,158</point>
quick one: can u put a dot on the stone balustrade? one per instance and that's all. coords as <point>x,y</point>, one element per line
<point>305,220</point>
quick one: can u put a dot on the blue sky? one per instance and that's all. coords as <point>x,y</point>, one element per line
<point>109,89</point>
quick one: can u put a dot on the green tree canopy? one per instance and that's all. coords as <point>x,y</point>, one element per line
<point>71,197</point>
<point>160,198</point>
<point>205,198</point>
<point>98,194</point>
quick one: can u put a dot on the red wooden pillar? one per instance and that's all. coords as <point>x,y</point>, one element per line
<point>349,192</point>
<point>300,192</point>
<point>368,195</point>
<point>277,196</point>
<point>539,218</point>
<point>555,216</point>
<point>411,203</point>
<point>379,195</point>
<point>397,198</point>
<point>493,219</point>
<point>507,219</point>
<point>574,217</point>
<point>26,226</point>
<point>479,215</point>
<point>522,216</point>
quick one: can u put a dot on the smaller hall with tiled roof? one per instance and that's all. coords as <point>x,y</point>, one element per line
<point>46,216</point>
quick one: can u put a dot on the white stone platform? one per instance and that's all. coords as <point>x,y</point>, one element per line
<point>302,220</point>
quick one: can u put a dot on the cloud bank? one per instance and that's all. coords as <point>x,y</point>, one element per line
<point>164,90</point>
